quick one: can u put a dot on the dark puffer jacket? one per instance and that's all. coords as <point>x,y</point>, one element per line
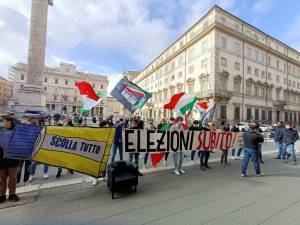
<point>290,136</point>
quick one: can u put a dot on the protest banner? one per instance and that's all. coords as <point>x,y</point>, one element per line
<point>164,141</point>
<point>83,149</point>
<point>18,143</point>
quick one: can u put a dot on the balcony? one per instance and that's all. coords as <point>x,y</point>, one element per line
<point>279,103</point>
<point>223,94</point>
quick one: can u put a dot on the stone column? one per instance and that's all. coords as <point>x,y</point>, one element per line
<point>32,95</point>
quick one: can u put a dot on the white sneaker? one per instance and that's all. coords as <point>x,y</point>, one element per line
<point>192,162</point>
<point>176,172</point>
<point>46,176</point>
<point>233,158</point>
<point>144,168</point>
<point>182,171</point>
<point>95,182</point>
<point>30,178</point>
<point>165,163</point>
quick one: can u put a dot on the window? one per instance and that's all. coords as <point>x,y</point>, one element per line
<point>45,80</point>
<point>249,69</point>
<point>56,81</point>
<point>257,55</point>
<point>101,86</point>
<point>248,88</point>
<point>180,60</point>
<point>22,77</point>
<point>256,90</point>
<point>45,88</point>
<point>256,114</point>
<point>294,83</point>
<point>237,113</point>
<point>277,78</point>
<point>204,46</point>
<point>249,116</point>
<point>269,76</point>
<point>263,114</point>
<point>223,114</point>
<point>269,93</point>
<point>270,115</point>
<point>269,60</point>
<point>284,67</point>
<point>238,49</point>
<point>298,86</point>
<point>223,83</point>
<point>263,58</point>
<point>277,94</point>
<point>285,80</point>
<point>191,54</point>
<point>180,74</point>
<point>55,97</point>
<point>191,88</point>
<point>237,66</point>
<point>191,69</point>
<point>223,61</point>
<point>277,64</point>
<point>263,91</point>
<point>203,63</point>
<point>203,86</point>
<point>256,72</point>
<point>223,43</point>
<point>173,77</point>
<point>249,52</point>
<point>237,86</point>
<point>237,26</point>
<point>66,82</point>
<point>263,74</point>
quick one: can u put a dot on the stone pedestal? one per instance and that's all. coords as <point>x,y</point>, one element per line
<point>32,97</point>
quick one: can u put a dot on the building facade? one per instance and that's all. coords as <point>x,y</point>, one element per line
<point>5,91</point>
<point>248,74</point>
<point>114,107</point>
<point>59,84</point>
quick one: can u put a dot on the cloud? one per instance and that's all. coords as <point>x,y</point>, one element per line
<point>262,6</point>
<point>137,29</point>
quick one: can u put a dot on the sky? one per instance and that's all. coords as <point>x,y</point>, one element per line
<point>108,37</point>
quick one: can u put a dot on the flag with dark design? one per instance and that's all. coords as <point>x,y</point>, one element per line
<point>130,95</point>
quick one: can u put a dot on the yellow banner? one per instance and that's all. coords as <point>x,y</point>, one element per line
<point>82,149</point>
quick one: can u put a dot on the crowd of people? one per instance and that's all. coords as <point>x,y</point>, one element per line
<point>285,138</point>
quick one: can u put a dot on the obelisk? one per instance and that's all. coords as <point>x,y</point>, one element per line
<point>32,95</point>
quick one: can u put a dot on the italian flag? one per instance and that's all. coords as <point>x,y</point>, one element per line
<point>134,90</point>
<point>181,103</point>
<point>89,96</point>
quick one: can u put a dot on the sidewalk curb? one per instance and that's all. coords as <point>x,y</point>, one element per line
<point>87,179</point>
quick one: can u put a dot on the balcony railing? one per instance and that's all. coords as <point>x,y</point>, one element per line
<point>279,103</point>
<point>223,93</point>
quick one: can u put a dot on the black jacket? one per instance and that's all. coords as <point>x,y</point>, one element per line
<point>252,140</point>
<point>234,128</point>
<point>203,128</point>
<point>226,129</point>
<point>290,136</point>
<point>194,128</point>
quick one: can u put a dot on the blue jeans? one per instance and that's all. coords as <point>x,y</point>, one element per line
<point>115,147</point>
<point>136,158</point>
<point>238,153</point>
<point>178,159</point>
<point>33,168</point>
<point>291,149</point>
<point>280,150</point>
<point>250,153</point>
<point>146,158</point>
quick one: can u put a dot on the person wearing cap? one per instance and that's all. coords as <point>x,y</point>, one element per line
<point>8,168</point>
<point>252,139</point>
<point>178,155</point>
